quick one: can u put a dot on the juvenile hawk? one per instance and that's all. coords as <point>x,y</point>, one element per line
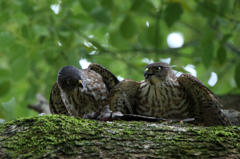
<point>164,95</point>
<point>78,92</point>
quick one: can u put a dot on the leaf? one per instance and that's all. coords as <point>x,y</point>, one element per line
<point>97,45</point>
<point>4,87</point>
<point>221,54</point>
<point>226,6</point>
<point>101,15</point>
<point>20,18</point>
<point>40,30</point>
<point>4,17</point>
<point>9,106</point>
<point>128,27</point>
<point>107,4</point>
<point>151,35</point>
<point>146,7</point>
<point>6,40</point>
<point>118,41</point>
<point>207,9</point>
<point>88,5</point>
<point>19,68</point>
<point>237,74</point>
<point>27,8</point>
<point>173,13</point>
<point>207,49</point>
<point>4,74</point>
<point>225,38</point>
<point>136,4</point>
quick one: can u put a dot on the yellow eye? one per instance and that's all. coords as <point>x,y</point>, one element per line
<point>157,69</point>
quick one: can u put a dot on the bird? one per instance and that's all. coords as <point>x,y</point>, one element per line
<point>78,92</point>
<point>164,95</point>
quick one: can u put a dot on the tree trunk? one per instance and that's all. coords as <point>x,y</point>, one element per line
<point>66,137</point>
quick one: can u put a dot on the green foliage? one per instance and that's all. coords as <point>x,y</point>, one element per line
<point>173,13</point>
<point>221,54</point>
<point>128,27</point>
<point>116,34</point>
<point>237,74</point>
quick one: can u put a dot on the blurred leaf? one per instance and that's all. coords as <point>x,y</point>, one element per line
<point>4,87</point>
<point>20,18</point>
<point>26,32</point>
<point>148,36</point>
<point>4,74</point>
<point>128,27</point>
<point>9,106</point>
<point>136,4</point>
<point>151,36</point>
<point>146,7</point>
<point>237,74</point>
<point>207,48</point>
<point>88,5</point>
<point>173,13</point>
<point>4,17</point>
<point>107,4</point>
<point>207,9</point>
<point>225,6</point>
<point>116,39</point>
<point>221,54</point>
<point>20,68</point>
<point>225,38</point>
<point>40,30</point>
<point>27,8</point>
<point>101,15</point>
<point>6,39</point>
<point>96,44</point>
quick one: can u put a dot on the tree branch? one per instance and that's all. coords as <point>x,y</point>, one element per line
<point>58,136</point>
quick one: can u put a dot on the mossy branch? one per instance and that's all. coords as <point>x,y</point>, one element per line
<point>57,135</point>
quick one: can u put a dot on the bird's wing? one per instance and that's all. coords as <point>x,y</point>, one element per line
<point>123,97</point>
<point>205,107</point>
<point>56,104</point>
<point>108,78</point>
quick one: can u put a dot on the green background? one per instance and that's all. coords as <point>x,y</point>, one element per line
<point>112,33</point>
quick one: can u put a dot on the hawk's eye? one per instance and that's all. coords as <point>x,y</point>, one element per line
<point>157,69</point>
<point>69,82</point>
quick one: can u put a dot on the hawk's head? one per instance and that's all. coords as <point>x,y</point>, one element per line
<point>157,72</point>
<point>69,78</point>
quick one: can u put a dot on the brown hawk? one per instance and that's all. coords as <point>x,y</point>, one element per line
<point>164,95</point>
<point>78,92</point>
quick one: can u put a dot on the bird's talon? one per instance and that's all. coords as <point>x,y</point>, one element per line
<point>180,122</point>
<point>111,114</point>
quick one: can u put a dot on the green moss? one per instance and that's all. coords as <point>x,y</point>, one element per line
<point>36,136</point>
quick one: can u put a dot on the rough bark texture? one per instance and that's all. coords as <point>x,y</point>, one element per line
<point>61,136</point>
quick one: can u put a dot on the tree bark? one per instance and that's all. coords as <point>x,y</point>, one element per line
<point>61,136</point>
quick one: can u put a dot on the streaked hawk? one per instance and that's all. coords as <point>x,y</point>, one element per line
<point>164,95</point>
<point>78,92</point>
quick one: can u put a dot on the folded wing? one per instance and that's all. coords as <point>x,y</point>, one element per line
<point>205,107</point>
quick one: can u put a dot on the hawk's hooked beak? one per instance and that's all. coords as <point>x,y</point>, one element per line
<point>80,83</point>
<point>148,73</point>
